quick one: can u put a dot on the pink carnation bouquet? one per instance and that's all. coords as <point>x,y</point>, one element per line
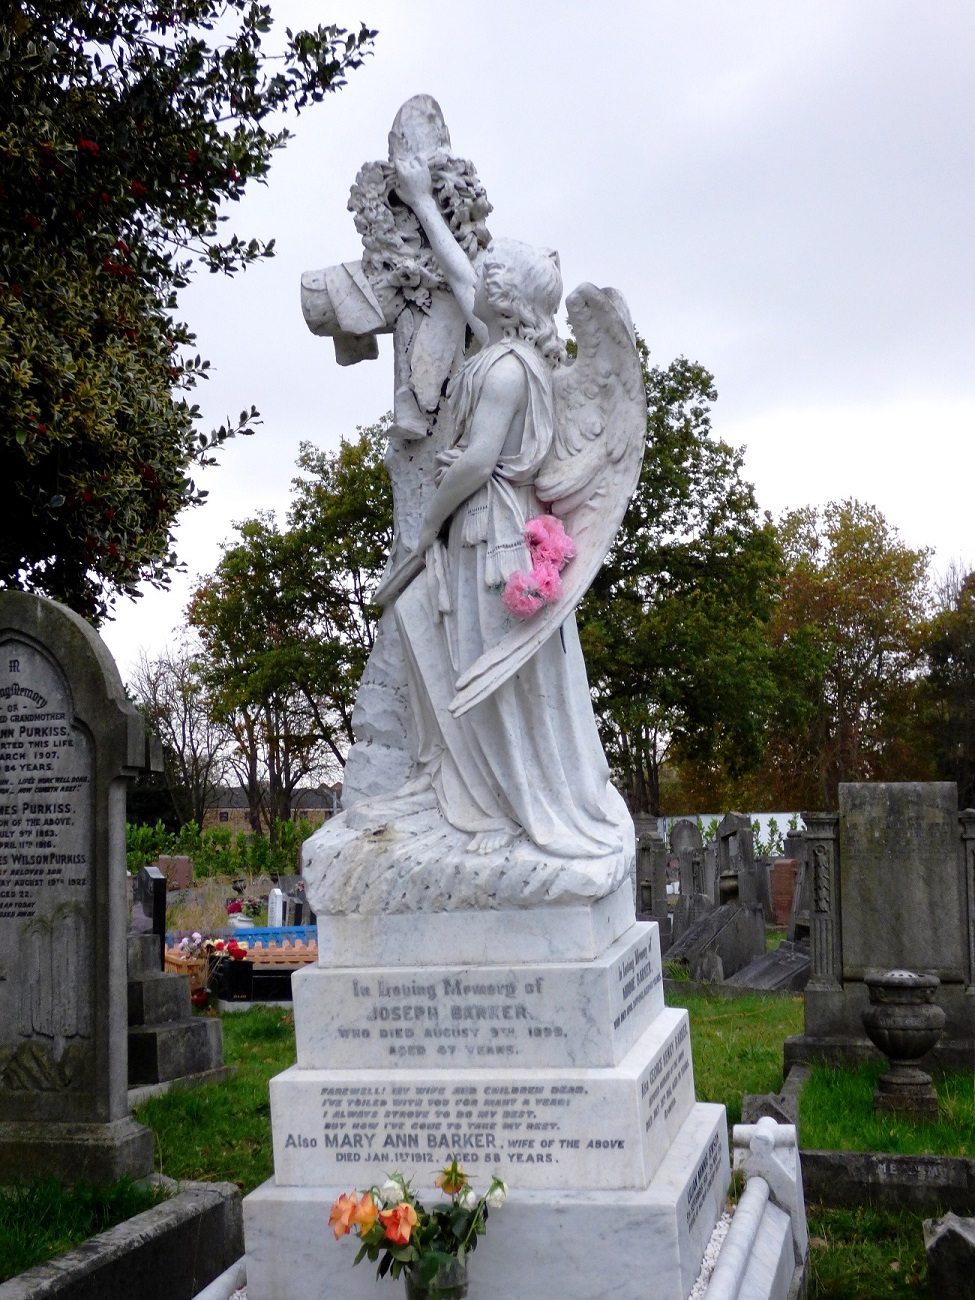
<point>551,549</point>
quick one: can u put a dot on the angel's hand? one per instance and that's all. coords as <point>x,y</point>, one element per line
<point>413,180</point>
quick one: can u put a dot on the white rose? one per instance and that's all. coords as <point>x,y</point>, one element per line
<point>468,1198</point>
<point>392,1190</point>
<point>498,1194</point>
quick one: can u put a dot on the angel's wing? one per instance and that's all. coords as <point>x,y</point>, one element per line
<point>587,478</point>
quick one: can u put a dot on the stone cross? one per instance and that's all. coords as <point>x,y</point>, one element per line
<point>396,288</point>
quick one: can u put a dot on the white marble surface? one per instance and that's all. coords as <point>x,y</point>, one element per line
<point>449,1017</point>
<point>485,936</point>
<point>550,1245</point>
<point>402,856</point>
<point>771,1264</point>
<point>551,1128</point>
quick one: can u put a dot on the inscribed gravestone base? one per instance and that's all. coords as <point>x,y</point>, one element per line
<point>69,741</point>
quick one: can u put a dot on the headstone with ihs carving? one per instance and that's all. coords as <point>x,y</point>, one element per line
<point>69,742</point>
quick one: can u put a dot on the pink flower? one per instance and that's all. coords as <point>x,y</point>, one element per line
<point>520,596</point>
<point>549,541</point>
<point>546,580</point>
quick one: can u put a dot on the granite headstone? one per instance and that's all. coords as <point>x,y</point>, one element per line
<point>69,741</point>
<point>149,906</point>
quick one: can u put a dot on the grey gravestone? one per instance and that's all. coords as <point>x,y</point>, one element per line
<point>733,932</point>
<point>786,967</point>
<point>799,916</point>
<point>651,880</point>
<point>149,906</point>
<point>687,845</point>
<point>950,1246</point>
<point>69,741</point>
<point>891,885</point>
<point>902,894</point>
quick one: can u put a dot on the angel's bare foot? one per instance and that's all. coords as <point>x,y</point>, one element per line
<point>490,841</point>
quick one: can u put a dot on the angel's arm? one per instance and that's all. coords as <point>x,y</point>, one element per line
<point>415,187</point>
<point>503,399</point>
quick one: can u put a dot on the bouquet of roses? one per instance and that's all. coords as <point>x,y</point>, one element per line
<point>399,1233</point>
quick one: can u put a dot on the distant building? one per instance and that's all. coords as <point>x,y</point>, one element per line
<point>310,805</point>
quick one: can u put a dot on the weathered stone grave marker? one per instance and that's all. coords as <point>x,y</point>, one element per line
<point>69,741</point>
<point>892,886</point>
<point>149,906</point>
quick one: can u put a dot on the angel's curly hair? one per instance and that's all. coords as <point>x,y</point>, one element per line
<point>524,286</point>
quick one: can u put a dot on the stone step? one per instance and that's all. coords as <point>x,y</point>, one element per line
<point>143,954</point>
<point>550,1128</point>
<point>158,999</point>
<point>576,1245</point>
<point>161,1052</point>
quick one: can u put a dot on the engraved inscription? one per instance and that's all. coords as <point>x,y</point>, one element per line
<point>660,1088</point>
<point>700,1185</point>
<point>45,882</point>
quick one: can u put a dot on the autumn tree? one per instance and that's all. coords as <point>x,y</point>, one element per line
<point>123,129</point>
<point>286,625</point>
<point>948,686</point>
<point>845,637</point>
<point>674,626</point>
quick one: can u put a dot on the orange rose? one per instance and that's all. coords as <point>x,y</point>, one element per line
<point>399,1222</point>
<point>365,1213</point>
<point>452,1179</point>
<point>340,1218</point>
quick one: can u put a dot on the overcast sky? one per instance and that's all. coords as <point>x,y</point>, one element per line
<point>782,189</point>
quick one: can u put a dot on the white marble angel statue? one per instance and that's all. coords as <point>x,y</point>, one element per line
<point>510,802</point>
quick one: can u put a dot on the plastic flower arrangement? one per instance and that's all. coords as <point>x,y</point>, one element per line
<point>551,549</point>
<point>401,1235</point>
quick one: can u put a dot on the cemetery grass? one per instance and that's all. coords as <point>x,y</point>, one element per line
<point>737,1044</point>
<point>836,1114</point>
<point>42,1219</point>
<point>864,1254</point>
<point>222,1132</point>
<point>737,1048</point>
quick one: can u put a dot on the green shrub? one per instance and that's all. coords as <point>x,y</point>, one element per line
<point>218,851</point>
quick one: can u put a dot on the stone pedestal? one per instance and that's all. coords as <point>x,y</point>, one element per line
<point>166,1041</point>
<point>570,1079</point>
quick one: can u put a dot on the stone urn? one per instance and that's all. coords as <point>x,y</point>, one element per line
<point>905,1023</point>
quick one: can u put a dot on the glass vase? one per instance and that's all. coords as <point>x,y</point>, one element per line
<point>448,1283</point>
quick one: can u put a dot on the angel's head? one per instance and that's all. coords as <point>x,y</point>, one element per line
<point>521,287</point>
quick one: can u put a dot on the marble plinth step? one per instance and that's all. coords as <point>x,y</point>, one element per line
<point>571,932</point>
<point>553,1245</point>
<point>551,1128</point>
<point>557,1014</point>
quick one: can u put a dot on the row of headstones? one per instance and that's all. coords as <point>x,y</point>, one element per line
<point>717,930</point>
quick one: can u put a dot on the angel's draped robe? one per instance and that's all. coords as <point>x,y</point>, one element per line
<point>529,756</point>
